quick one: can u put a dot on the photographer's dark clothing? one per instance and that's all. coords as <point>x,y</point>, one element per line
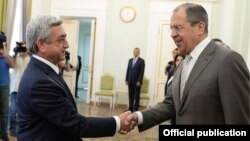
<point>169,71</point>
<point>78,71</point>
<point>12,113</point>
<point>4,96</point>
<point>4,110</point>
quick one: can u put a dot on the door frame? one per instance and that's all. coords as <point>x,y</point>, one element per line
<point>91,53</point>
<point>91,60</point>
<point>70,76</point>
<point>164,51</point>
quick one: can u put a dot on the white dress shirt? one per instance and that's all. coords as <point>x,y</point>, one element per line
<point>53,66</point>
<point>17,72</point>
<point>195,53</point>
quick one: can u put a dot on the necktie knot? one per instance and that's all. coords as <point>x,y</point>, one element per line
<point>134,61</point>
<point>187,59</point>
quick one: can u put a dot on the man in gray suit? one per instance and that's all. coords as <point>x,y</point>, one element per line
<point>217,79</point>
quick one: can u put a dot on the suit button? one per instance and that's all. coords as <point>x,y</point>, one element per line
<point>180,114</point>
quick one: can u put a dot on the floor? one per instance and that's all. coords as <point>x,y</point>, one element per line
<point>104,110</point>
<point>82,94</point>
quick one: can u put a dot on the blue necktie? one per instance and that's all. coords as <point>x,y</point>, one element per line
<point>133,63</point>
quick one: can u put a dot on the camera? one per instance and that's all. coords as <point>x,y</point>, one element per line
<point>67,55</point>
<point>19,47</point>
<point>2,39</point>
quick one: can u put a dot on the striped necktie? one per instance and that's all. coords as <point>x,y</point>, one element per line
<point>133,62</point>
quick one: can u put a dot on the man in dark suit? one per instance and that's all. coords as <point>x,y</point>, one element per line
<point>134,77</point>
<point>217,79</point>
<point>45,106</point>
<point>78,71</point>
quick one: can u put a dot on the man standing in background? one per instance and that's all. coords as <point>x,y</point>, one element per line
<point>78,71</point>
<point>65,65</point>
<point>170,68</point>
<point>6,62</point>
<point>21,59</point>
<point>134,77</point>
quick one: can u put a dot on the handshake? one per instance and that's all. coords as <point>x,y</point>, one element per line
<point>128,121</point>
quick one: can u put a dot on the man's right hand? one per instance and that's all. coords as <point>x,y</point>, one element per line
<point>126,82</point>
<point>130,122</point>
<point>132,118</point>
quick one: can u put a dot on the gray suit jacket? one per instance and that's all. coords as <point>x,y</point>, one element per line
<point>217,92</point>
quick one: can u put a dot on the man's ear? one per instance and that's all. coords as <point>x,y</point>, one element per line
<point>41,45</point>
<point>201,27</point>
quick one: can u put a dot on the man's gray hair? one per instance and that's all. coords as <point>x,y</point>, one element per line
<point>40,28</point>
<point>195,14</point>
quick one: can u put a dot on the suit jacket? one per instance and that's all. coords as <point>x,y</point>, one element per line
<point>47,111</point>
<point>216,92</point>
<point>135,74</point>
<point>79,59</point>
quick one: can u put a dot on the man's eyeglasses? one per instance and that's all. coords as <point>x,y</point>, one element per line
<point>177,28</point>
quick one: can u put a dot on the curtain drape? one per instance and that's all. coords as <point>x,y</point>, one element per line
<point>11,12</point>
<point>26,16</point>
<point>3,8</point>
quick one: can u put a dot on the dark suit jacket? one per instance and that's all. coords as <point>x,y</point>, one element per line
<point>217,92</point>
<point>47,111</point>
<point>135,74</point>
<point>79,58</point>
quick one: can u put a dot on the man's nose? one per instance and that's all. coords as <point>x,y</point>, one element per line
<point>174,34</point>
<point>66,44</point>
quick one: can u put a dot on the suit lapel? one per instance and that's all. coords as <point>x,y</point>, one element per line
<point>54,77</point>
<point>59,80</point>
<point>136,63</point>
<point>199,66</point>
<point>131,63</point>
<point>176,86</point>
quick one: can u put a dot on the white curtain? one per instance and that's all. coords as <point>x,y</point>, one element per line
<point>26,15</point>
<point>3,7</point>
<point>11,11</point>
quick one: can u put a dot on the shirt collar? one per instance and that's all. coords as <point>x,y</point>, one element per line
<point>195,53</point>
<point>53,66</point>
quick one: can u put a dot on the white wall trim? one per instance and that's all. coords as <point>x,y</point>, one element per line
<point>94,9</point>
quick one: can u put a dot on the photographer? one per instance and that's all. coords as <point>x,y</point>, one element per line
<point>65,65</point>
<point>21,59</point>
<point>6,62</point>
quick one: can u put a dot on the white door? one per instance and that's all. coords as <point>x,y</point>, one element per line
<point>71,28</point>
<point>91,60</point>
<point>84,52</point>
<point>164,51</point>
